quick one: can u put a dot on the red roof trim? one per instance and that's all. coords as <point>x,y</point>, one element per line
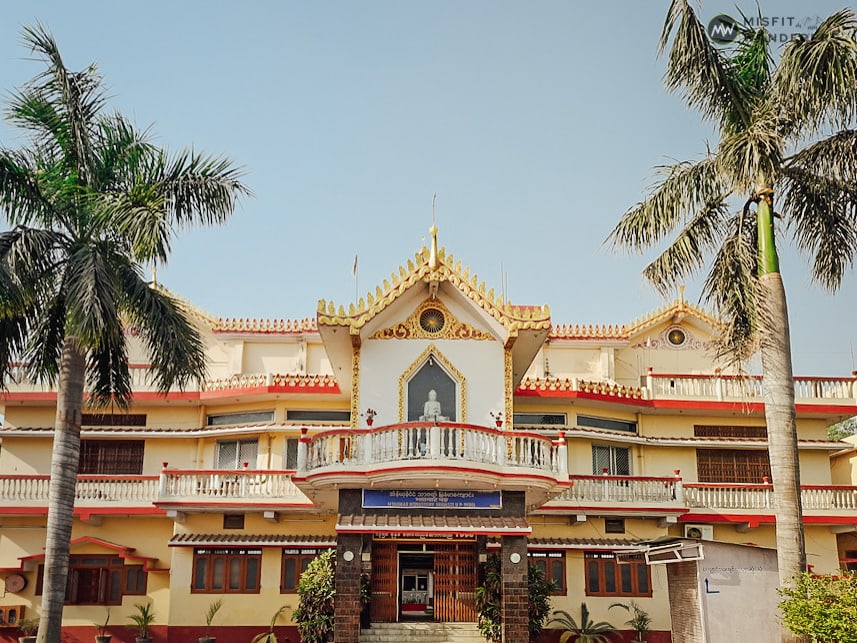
<point>122,551</point>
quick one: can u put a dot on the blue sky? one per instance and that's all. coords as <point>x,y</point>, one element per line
<point>537,124</point>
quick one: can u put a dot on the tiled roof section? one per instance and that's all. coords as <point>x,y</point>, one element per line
<point>182,431</point>
<point>250,540</point>
<point>264,326</point>
<point>578,543</point>
<point>256,380</point>
<point>580,386</point>
<point>432,524</point>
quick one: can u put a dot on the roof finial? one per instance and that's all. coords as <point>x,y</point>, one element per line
<point>681,293</point>
<point>432,262</point>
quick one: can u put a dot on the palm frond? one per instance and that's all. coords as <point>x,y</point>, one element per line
<point>823,218</point>
<point>754,154</point>
<point>176,350</point>
<point>684,189</point>
<point>77,96</point>
<point>46,338</point>
<point>688,252</point>
<point>697,67</point>
<point>815,80</point>
<point>21,196</point>
<point>107,375</point>
<point>730,287</point>
<point>92,293</point>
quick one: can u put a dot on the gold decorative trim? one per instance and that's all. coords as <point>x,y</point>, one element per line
<point>355,388</point>
<point>507,385</point>
<point>414,366</point>
<point>411,328</point>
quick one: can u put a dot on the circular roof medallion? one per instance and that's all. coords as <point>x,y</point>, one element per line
<point>432,320</point>
<point>676,336</point>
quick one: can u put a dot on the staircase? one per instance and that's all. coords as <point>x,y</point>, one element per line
<point>422,633</point>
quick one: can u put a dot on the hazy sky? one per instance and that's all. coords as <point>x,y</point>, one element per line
<point>537,124</point>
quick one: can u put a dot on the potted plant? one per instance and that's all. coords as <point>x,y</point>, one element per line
<point>209,617</point>
<point>28,627</point>
<point>269,636</point>
<point>640,620</point>
<point>142,620</point>
<point>587,631</point>
<point>101,628</point>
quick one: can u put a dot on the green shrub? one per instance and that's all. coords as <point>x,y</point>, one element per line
<point>489,600</point>
<point>316,589</point>
<point>821,607</point>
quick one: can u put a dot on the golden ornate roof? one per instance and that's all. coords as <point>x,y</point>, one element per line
<point>432,266</point>
<point>253,325</point>
<point>580,386</point>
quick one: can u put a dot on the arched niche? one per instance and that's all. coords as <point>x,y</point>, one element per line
<point>432,372</point>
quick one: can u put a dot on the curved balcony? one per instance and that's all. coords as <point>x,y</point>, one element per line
<point>445,455</point>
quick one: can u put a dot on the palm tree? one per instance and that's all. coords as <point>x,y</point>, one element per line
<point>587,631</point>
<point>764,112</point>
<point>90,200</point>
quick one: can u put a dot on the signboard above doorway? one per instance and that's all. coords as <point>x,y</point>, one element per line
<point>430,499</point>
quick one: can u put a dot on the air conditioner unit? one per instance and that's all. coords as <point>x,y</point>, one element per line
<point>702,532</point>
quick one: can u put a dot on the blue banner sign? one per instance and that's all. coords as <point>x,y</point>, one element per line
<point>430,499</point>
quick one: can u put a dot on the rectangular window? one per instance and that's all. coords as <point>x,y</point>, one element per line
<point>250,417</point>
<point>111,457</point>
<point>291,453</point>
<point>615,461</point>
<point>99,580</point>
<point>552,564</point>
<point>113,419</point>
<point>226,570</point>
<point>708,431</point>
<point>605,423</point>
<point>295,561</point>
<point>232,454</point>
<point>606,577</point>
<point>614,525</point>
<point>538,419</point>
<point>732,465</point>
<point>318,416</point>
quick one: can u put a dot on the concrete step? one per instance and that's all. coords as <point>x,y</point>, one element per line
<point>422,633</point>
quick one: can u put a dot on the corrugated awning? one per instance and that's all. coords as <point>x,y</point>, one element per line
<point>606,544</point>
<point>427,524</point>
<point>250,540</point>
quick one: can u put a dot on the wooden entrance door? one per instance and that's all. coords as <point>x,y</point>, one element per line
<point>455,582</point>
<point>385,576</point>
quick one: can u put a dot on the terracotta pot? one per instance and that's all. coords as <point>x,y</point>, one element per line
<point>26,639</point>
<point>369,421</point>
<point>103,638</point>
<point>206,639</point>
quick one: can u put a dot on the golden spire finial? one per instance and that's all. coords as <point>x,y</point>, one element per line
<point>432,262</point>
<point>681,293</point>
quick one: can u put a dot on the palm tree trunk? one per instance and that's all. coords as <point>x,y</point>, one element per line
<point>64,467</point>
<point>779,395</point>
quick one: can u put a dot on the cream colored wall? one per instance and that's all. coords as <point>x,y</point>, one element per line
<point>188,608</point>
<point>172,416</point>
<point>17,417</point>
<point>564,359</point>
<point>844,466</point>
<point>26,456</point>
<point>271,357</point>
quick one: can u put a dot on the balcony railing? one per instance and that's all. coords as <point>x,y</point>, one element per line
<point>760,496</point>
<point>117,490</point>
<point>421,441</point>
<point>737,387</point>
<point>622,490</point>
<point>219,486</point>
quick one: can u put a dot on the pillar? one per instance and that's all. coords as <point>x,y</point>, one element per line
<point>347,582</point>
<point>515,595</point>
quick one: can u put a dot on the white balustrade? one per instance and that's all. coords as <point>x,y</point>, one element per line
<point>734,387</point>
<point>457,442</point>
<point>622,489</point>
<point>761,497</point>
<point>101,489</point>
<point>244,484</point>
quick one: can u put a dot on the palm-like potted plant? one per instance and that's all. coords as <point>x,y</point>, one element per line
<point>28,627</point>
<point>270,636</point>
<point>640,620</point>
<point>587,631</point>
<point>142,620</point>
<point>101,628</point>
<point>213,608</point>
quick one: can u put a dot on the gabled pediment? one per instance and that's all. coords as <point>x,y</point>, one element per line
<point>436,279</point>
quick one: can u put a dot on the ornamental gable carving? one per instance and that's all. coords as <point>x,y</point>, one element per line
<point>431,320</point>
